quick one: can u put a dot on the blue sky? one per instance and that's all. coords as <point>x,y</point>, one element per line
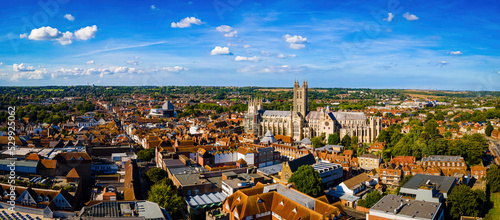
<point>415,44</point>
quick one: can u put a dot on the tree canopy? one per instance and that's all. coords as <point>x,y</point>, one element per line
<point>166,196</point>
<point>307,181</point>
<point>146,154</point>
<point>334,139</point>
<point>493,176</point>
<point>463,201</point>
<point>370,199</point>
<point>156,174</point>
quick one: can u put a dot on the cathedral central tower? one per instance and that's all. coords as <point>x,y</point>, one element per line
<point>300,98</point>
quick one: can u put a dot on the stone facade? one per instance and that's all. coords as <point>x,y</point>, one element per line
<point>300,123</point>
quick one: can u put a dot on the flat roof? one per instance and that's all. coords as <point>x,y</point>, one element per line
<point>186,170</point>
<point>325,166</point>
<point>271,170</point>
<point>442,183</point>
<point>395,205</point>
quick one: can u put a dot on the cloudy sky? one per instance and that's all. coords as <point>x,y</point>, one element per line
<point>417,44</point>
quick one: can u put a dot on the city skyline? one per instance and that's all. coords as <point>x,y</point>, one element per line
<point>382,44</point>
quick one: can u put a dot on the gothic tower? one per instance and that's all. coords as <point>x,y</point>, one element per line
<point>300,98</point>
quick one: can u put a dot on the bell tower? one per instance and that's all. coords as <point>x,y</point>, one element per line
<point>300,98</point>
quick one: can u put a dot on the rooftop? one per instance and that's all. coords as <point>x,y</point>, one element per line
<point>292,194</point>
<point>271,170</point>
<point>443,183</point>
<point>395,205</point>
<point>443,158</point>
<point>208,199</point>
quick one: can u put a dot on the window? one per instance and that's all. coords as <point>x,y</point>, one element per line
<point>294,210</point>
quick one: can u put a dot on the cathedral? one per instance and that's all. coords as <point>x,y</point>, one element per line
<point>299,123</point>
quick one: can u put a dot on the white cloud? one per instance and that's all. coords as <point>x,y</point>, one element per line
<point>153,7</point>
<point>285,56</point>
<point>69,17</point>
<point>296,41</point>
<point>86,33</point>
<point>90,62</point>
<point>45,33</point>
<point>247,46</point>
<point>186,22</point>
<point>229,31</point>
<point>175,69</point>
<point>297,46</point>
<point>271,69</point>
<point>456,53</point>
<point>410,17</point>
<point>133,62</point>
<point>101,72</point>
<point>1,63</point>
<point>390,17</point>
<point>240,58</point>
<point>220,51</point>
<point>23,71</point>
<point>66,39</point>
<point>50,33</point>
<point>22,67</point>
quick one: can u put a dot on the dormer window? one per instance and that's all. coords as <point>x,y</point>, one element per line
<point>72,158</point>
<point>46,199</point>
<point>260,201</point>
<point>294,210</point>
<point>281,203</point>
<point>39,199</point>
<point>81,158</point>
<point>238,199</point>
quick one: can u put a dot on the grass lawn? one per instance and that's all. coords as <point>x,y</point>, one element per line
<point>495,198</point>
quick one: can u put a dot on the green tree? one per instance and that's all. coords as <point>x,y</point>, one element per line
<point>156,174</point>
<point>354,141</point>
<point>318,141</point>
<point>166,197</point>
<point>488,130</point>
<point>493,176</point>
<point>334,138</point>
<point>448,134</point>
<point>146,154</point>
<point>370,199</point>
<point>307,181</point>
<point>346,141</point>
<point>463,201</point>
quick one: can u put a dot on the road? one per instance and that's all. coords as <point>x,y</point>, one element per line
<point>494,149</point>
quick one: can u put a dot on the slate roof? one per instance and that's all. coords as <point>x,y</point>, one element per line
<point>268,137</point>
<point>347,116</point>
<point>304,160</point>
<point>274,113</point>
<point>442,183</point>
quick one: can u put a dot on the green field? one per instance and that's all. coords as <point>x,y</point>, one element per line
<point>495,198</point>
